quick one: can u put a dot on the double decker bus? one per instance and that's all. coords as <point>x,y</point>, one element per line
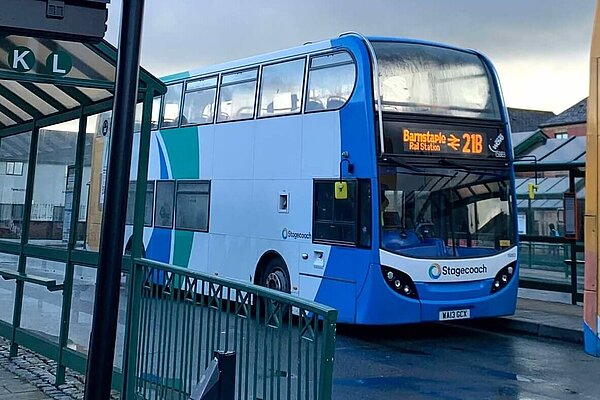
<point>373,175</point>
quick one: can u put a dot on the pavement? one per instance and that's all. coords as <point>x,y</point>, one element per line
<point>534,317</point>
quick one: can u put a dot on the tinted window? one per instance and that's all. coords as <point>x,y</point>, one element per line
<point>237,96</point>
<point>165,198</point>
<point>281,88</point>
<point>199,101</point>
<point>192,205</point>
<point>170,114</point>
<point>149,203</point>
<point>330,81</point>
<point>334,219</point>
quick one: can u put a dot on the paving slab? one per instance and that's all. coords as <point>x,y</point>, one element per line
<point>15,388</point>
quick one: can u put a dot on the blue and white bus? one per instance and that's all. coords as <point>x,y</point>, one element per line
<point>373,175</point>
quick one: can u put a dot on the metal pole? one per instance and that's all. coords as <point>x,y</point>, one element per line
<point>106,305</point>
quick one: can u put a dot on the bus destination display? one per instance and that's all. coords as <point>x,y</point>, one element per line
<point>403,138</point>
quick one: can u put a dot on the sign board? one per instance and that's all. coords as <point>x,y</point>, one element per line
<point>69,187</point>
<point>522,224</point>
<point>74,20</point>
<point>434,139</point>
<point>570,215</point>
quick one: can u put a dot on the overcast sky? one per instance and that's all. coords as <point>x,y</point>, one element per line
<point>539,47</point>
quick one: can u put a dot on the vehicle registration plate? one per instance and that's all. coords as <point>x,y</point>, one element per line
<point>455,314</point>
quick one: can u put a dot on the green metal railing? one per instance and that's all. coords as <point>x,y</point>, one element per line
<point>552,264</point>
<point>284,345</point>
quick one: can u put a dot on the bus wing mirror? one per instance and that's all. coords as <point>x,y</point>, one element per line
<point>341,190</point>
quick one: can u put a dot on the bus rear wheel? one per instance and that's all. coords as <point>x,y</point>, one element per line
<point>276,276</point>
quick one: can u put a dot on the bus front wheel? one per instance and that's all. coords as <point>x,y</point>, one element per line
<point>276,276</point>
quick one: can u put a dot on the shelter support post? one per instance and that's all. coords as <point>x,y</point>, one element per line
<point>106,306</point>
<point>25,224</point>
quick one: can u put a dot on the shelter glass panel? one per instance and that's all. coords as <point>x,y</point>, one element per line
<point>42,309</point>
<point>82,309</point>
<point>84,203</point>
<point>53,187</point>
<point>12,187</point>
<point>7,288</point>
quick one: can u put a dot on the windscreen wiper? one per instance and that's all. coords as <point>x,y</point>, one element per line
<point>402,164</point>
<point>452,163</point>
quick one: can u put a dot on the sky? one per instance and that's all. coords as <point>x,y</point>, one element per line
<point>540,48</point>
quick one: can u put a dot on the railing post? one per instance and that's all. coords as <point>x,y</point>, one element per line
<point>327,356</point>
<point>132,330</point>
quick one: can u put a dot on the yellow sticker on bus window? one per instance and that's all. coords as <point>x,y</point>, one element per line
<point>504,243</point>
<point>341,190</point>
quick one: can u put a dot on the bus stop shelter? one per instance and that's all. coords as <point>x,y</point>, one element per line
<point>44,82</point>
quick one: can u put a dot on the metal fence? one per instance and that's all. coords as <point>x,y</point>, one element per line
<point>552,264</point>
<point>284,345</point>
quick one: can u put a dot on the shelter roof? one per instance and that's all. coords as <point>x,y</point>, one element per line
<point>51,81</point>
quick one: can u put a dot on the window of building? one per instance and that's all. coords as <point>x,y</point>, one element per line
<point>330,81</point>
<point>171,108</point>
<point>281,88</point>
<point>192,205</point>
<point>199,101</point>
<point>237,96</point>
<point>561,135</point>
<point>165,199</point>
<point>14,168</point>
<point>345,221</point>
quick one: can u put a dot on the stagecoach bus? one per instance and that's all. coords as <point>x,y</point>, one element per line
<point>373,175</point>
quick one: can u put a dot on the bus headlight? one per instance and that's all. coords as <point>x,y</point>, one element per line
<point>400,282</point>
<point>503,277</point>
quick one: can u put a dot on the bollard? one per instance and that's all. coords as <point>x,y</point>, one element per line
<point>218,381</point>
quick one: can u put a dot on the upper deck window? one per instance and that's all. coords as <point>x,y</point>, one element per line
<point>237,95</point>
<point>330,81</point>
<point>281,88</point>
<point>199,101</point>
<point>170,114</point>
<point>433,80</point>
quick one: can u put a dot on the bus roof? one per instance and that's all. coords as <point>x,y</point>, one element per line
<point>297,51</point>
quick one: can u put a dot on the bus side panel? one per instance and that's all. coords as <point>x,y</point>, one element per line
<point>278,148</point>
<point>199,254</point>
<point>234,150</point>
<point>339,286</point>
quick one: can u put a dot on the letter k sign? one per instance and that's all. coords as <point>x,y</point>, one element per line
<point>21,59</point>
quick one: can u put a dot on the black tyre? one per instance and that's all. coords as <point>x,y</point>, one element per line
<point>276,276</point>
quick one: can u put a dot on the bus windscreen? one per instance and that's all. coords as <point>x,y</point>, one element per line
<point>425,79</point>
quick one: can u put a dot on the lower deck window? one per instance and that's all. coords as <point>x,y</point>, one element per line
<point>192,205</point>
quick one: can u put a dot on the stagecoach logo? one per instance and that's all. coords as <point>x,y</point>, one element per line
<point>286,233</point>
<point>435,271</point>
<point>494,147</point>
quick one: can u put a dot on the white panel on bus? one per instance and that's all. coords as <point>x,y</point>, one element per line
<point>276,148</point>
<point>230,211</point>
<point>234,142</point>
<point>206,140</point>
<point>321,145</point>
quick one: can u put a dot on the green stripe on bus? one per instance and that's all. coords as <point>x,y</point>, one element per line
<point>183,248</point>
<point>183,150</point>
